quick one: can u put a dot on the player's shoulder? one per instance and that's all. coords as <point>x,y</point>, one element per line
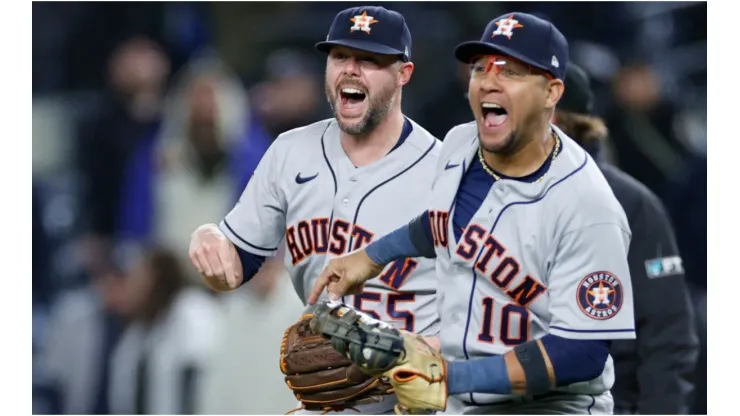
<point>458,135</point>
<point>305,135</point>
<point>299,142</point>
<point>423,140</point>
<point>462,132</point>
<point>589,198</point>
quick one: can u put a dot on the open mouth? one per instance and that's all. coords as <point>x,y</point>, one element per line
<point>494,114</point>
<point>352,96</point>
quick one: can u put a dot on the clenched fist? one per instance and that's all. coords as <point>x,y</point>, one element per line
<point>215,258</point>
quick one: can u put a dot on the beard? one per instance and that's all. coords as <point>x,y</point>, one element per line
<point>379,105</point>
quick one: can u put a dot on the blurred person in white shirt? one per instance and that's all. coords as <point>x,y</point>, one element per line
<point>170,344</point>
<point>191,170</point>
<point>195,178</point>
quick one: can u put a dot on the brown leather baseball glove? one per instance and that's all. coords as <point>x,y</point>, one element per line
<point>320,377</point>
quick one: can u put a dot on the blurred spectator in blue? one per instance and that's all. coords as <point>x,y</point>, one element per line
<point>292,93</point>
<point>192,169</point>
<point>187,30</point>
<point>128,112</point>
<point>169,346</point>
<point>41,255</point>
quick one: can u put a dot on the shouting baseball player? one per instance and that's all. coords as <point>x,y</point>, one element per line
<point>530,246</point>
<point>333,187</point>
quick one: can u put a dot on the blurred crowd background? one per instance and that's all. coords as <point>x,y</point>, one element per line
<point>149,118</point>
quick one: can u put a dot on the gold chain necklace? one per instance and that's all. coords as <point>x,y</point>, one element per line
<point>498,178</point>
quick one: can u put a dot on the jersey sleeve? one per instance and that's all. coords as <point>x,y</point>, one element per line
<point>256,224</point>
<point>589,284</point>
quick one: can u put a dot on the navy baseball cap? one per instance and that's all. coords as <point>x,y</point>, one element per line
<point>523,36</point>
<point>578,97</point>
<point>372,29</point>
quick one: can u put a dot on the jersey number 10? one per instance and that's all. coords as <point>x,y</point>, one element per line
<point>506,315</point>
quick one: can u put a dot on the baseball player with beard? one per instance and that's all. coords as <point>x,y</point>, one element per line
<point>331,188</point>
<point>530,246</point>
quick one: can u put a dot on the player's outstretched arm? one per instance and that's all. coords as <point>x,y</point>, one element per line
<point>347,274</point>
<point>215,258</point>
<point>534,367</point>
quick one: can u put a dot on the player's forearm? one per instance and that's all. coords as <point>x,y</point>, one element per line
<point>412,240</point>
<point>535,367</point>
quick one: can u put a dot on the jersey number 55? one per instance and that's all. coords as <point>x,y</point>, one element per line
<point>394,310</point>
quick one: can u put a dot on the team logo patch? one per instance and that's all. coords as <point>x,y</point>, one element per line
<point>362,22</point>
<point>599,295</point>
<point>506,27</point>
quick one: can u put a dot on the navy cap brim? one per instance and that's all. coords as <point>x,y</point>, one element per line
<point>466,51</point>
<point>362,45</point>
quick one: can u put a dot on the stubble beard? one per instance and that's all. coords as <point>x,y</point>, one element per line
<point>379,106</point>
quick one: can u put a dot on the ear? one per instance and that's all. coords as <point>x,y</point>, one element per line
<point>405,71</point>
<point>555,90</point>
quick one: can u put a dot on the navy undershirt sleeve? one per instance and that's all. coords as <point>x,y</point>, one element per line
<point>421,235</point>
<point>473,190</point>
<point>251,263</point>
<point>573,360</point>
<point>412,240</point>
<point>576,360</point>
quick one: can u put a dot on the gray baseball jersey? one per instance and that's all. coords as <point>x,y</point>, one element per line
<point>307,193</point>
<point>536,258</point>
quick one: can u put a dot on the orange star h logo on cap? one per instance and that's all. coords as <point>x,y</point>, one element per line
<point>362,22</point>
<point>506,27</point>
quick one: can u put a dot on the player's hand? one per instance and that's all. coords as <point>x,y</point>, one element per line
<point>434,342</point>
<point>215,258</point>
<point>345,275</point>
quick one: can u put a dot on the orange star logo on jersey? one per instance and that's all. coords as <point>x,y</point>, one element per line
<point>601,294</point>
<point>362,22</point>
<point>506,27</point>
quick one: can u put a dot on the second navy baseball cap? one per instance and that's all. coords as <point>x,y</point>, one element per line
<point>372,29</point>
<point>578,96</point>
<point>523,36</point>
